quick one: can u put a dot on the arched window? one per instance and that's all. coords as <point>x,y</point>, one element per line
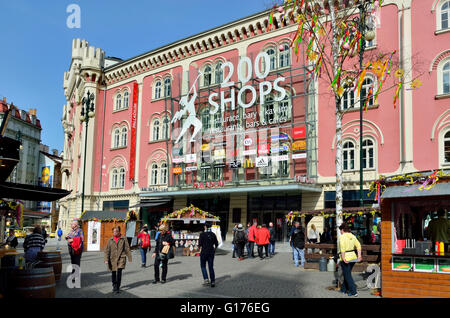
<point>114,178</point>
<point>349,156</point>
<point>207,76</point>
<point>285,109</point>
<point>125,99</point>
<point>206,120</point>
<point>164,175</point>
<point>447,147</point>
<point>165,128</point>
<point>366,85</point>
<point>268,110</point>
<point>118,102</point>
<point>445,13</point>
<point>273,60</point>
<point>285,56</point>
<point>154,179</point>
<point>218,73</point>
<point>167,87</point>
<point>446,78</point>
<point>368,154</point>
<point>124,136</point>
<point>116,138</point>
<point>155,131</point>
<point>122,178</point>
<point>157,90</point>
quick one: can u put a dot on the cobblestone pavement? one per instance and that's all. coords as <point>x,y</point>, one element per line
<point>250,278</point>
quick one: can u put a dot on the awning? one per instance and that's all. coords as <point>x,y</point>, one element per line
<point>259,188</point>
<point>152,202</point>
<point>410,191</point>
<point>28,192</point>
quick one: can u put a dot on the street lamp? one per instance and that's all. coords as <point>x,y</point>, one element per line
<point>368,33</point>
<point>87,111</point>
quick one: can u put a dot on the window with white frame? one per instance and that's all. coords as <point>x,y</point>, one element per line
<point>348,98</point>
<point>165,128</point>
<point>124,136</point>
<point>164,173</point>
<point>114,178</point>
<point>272,57</point>
<point>158,89</point>
<point>218,73</point>
<point>118,105</point>
<point>207,76</point>
<point>126,99</point>
<point>447,147</point>
<point>206,120</point>
<point>116,138</point>
<point>444,15</point>
<point>155,130</point>
<point>368,150</point>
<point>122,178</point>
<point>446,78</point>
<point>349,156</point>
<point>366,85</point>
<point>167,87</point>
<point>154,174</point>
<point>285,56</point>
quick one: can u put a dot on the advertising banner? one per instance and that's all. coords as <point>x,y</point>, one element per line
<point>299,145</point>
<point>133,129</point>
<point>190,158</point>
<point>262,161</point>
<point>299,133</point>
<point>280,158</point>
<point>94,231</point>
<point>299,155</point>
<point>177,170</point>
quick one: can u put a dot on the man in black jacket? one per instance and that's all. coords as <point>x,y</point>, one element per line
<point>272,239</point>
<point>208,243</point>
<point>164,239</point>
<point>297,241</point>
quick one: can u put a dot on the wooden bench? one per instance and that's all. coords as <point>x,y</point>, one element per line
<point>369,253</point>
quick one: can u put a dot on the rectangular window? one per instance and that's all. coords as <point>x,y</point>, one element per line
<point>444,18</point>
<point>237,215</point>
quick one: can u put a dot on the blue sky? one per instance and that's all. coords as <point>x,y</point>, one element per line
<point>36,42</point>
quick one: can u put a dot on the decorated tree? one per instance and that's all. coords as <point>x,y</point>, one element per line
<point>335,34</point>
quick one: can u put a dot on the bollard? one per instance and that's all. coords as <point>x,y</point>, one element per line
<point>331,266</point>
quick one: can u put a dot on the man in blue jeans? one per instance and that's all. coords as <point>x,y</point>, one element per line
<point>208,243</point>
<point>297,241</point>
<point>144,245</point>
<point>272,239</point>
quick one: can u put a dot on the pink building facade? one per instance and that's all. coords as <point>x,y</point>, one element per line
<point>270,148</point>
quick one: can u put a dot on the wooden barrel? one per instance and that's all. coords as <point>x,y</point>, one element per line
<point>51,259</point>
<point>34,283</point>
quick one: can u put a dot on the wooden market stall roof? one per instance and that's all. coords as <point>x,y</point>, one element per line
<point>190,213</point>
<point>104,215</point>
<point>332,212</point>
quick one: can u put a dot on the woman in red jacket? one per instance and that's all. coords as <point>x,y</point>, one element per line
<point>262,236</point>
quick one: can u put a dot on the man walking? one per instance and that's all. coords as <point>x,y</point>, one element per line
<point>272,239</point>
<point>297,241</point>
<point>208,244</point>
<point>262,240</point>
<point>239,242</point>
<point>251,239</point>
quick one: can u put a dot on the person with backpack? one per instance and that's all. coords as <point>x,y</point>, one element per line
<point>208,244</point>
<point>116,253</point>
<point>239,242</point>
<point>297,241</point>
<point>144,245</point>
<point>75,241</point>
<point>262,237</point>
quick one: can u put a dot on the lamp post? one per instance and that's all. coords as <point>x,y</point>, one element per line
<point>368,34</point>
<point>87,111</point>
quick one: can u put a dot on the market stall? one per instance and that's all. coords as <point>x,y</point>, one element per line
<point>364,223</point>
<point>98,226</point>
<point>186,225</point>
<point>413,264</point>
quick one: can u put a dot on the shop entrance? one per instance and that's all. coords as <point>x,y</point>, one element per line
<point>272,208</point>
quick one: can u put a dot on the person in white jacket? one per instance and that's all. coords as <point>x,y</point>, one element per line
<point>313,234</point>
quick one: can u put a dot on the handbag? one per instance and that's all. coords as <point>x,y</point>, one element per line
<point>171,253</point>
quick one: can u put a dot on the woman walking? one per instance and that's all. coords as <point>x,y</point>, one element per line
<point>116,253</point>
<point>347,245</point>
<point>164,239</point>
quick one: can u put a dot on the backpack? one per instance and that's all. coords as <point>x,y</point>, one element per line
<point>145,240</point>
